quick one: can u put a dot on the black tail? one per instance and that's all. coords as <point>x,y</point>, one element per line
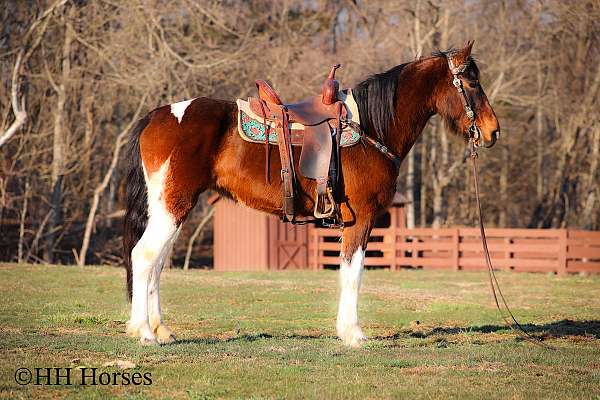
<point>136,216</point>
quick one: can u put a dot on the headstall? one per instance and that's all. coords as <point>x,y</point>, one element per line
<point>474,132</point>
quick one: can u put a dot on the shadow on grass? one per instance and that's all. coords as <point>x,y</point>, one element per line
<point>250,338</point>
<point>559,329</point>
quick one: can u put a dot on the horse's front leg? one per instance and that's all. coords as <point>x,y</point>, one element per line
<point>354,240</point>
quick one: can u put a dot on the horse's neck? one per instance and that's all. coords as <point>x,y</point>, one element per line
<point>414,104</point>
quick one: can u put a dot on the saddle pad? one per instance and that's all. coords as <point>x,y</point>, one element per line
<point>252,129</point>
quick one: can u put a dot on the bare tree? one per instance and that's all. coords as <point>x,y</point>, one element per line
<point>72,74</point>
<point>120,141</point>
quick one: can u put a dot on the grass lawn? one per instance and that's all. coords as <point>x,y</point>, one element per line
<point>272,335</point>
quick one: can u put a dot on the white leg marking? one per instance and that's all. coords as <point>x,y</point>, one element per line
<point>148,253</point>
<point>178,109</point>
<point>163,333</point>
<point>347,321</point>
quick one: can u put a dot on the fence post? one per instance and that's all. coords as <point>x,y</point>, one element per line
<point>562,252</point>
<point>318,250</point>
<point>455,251</point>
<point>392,238</point>
<point>312,259</point>
<point>507,253</point>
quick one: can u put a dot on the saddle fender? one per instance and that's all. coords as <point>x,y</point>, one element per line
<point>316,152</point>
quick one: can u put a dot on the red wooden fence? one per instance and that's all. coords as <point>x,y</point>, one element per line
<point>533,250</point>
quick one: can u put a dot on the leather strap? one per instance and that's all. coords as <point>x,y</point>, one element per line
<point>287,166</point>
<point>284,143</point>
<point>338,141</point>
<point>379,146</point>
<point>386,152</point>
<point>267,152</point>
<point>474,133</point>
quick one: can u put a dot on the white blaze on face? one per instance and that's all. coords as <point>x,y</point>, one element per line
<point>178,109</point>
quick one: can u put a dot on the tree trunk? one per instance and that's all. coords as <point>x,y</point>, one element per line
<point>55,220</point>
<point>422,172</point>
<point>438,204</point>
<point>188,254</point>
<point>22,223</point>
<point>104,183</point>
<point>87,144</point>
<point>539,138</point>
<point>504,203</point>
<point>588,219</point>
<point>59,150</point>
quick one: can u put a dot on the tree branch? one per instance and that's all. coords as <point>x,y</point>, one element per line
<point>18,105</point>
<point>102,186</point>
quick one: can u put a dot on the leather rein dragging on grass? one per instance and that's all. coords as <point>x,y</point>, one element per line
<point>474,137</point>
<point>494,285</point>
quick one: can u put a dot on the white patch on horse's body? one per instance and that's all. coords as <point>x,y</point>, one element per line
<point>178,109</point>
<point>148,256</point>
<point>347,321</point>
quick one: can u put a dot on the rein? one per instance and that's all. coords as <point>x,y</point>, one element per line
<point>515,326</point>
<point>474,135</point>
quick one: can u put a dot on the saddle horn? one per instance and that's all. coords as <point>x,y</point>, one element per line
<point>331,87</point>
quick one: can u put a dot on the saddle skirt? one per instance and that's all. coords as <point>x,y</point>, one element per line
<point>252,129</point>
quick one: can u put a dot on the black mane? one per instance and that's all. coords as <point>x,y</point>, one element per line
<point>376,100</point>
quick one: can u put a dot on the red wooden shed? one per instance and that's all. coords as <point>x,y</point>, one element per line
<point>249,240</point>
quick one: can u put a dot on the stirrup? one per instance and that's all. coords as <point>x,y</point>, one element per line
<point>333,223</point>
<point>328,205</point>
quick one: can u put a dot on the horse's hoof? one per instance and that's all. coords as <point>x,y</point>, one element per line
<point>132,330</point>
<point>352,336</point>
<point>148,341</point>
<point>165,335</point>
<point>142,331</point>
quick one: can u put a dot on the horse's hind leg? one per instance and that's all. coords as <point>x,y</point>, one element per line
<point>354,241</point>
<point>163,333</point>
<point>148,255</point>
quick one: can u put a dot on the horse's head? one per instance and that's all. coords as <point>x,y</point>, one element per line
<point>463,103</point>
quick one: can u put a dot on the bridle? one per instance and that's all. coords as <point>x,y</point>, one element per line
<point>473,131</point>
<point>474,136</point>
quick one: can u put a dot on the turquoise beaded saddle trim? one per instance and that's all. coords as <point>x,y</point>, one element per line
<point>254,131</point>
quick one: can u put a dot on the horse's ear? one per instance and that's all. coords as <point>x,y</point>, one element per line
<point>468,47</point>
<point>463,54</point>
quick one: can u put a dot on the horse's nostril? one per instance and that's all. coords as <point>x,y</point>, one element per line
<point>492,140</point>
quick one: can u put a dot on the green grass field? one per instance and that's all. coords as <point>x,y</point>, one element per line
<point>272,335</point>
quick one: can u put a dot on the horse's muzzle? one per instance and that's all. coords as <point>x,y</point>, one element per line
<point>495,136</point>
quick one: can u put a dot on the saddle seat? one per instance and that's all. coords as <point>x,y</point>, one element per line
<point>321,117</point>
<point>308,112</point>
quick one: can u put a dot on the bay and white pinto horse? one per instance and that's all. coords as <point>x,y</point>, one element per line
<point>178,151</point>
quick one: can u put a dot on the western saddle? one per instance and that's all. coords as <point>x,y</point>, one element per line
<point>322,117</point>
